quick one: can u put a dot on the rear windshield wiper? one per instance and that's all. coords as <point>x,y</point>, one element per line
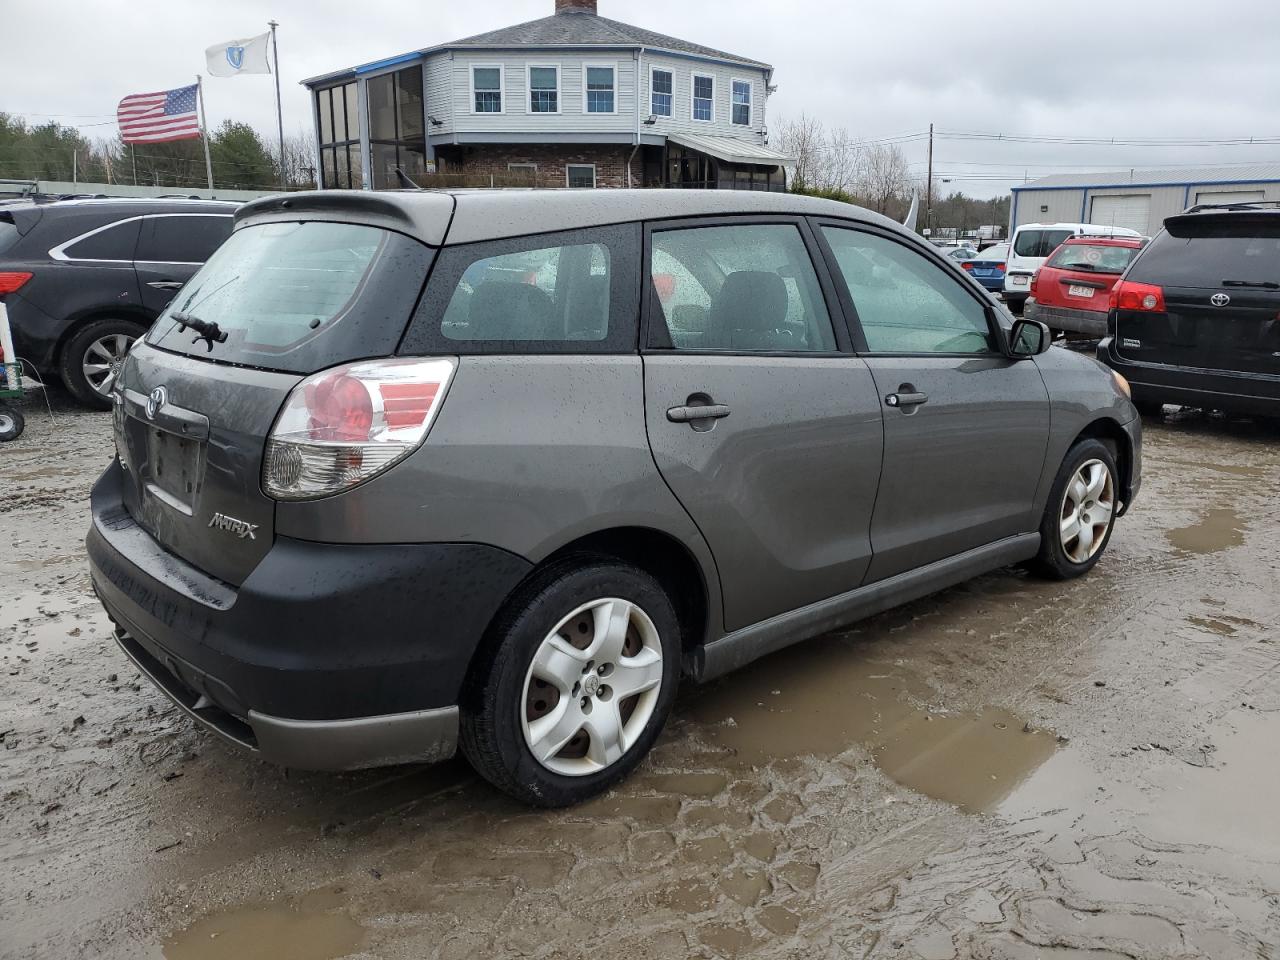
<point>209,330</point>
<point>1264,284</point>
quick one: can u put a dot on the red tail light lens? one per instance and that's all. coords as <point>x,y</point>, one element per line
<point>1143,297</point>
<point>966,265</point>
<point>343,426</point>
<point>1035,278</point>
<point>12,281</point>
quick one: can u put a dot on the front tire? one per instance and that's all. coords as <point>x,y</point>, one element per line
<point>575,684</point>
<point>1081,512</point>
<point>92,358</point>
<point>11,423</point>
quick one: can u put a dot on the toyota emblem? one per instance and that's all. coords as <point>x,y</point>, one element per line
<point>155,401</point>
<point>1219,299</point>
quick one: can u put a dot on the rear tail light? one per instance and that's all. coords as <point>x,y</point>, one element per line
<point>344,426</point>
<point>966,265</point>
<point>12,281</point>
<point>1035,277</point>
<point>1144,297</point>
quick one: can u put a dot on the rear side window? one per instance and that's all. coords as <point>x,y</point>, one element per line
<point>299,297</point>
<point>8,234</point>
<point>116,242</point>
<point>572,292</point>
<point>746,289</point>
<point>181,239</point>
<point>1092,257</point>
<point>1211,253</point>
<point>1038,243</point>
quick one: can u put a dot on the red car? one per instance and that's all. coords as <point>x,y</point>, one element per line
<point>1070,292</point>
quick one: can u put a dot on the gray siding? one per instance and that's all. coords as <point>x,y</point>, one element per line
<point>681,119</point>
<point>435,78</point>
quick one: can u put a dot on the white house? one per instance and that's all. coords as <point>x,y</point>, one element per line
<point>571,100</point>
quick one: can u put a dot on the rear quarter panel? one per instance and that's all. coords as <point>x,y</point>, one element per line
<point>528,453</point>
<point>1081,391</point>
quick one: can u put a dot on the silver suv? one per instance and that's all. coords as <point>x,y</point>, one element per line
<point>400,472</point>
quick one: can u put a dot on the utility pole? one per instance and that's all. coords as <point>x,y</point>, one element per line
<point>928,190</point>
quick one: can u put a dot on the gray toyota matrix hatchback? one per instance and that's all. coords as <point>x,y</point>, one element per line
<point>399,472</point>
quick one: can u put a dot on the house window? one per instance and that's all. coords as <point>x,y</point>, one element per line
<point>580,175</point>
<point>742,103</point>
<point>660,85</point>
<point>522,174</point>
<point>339,137</point>
<point>599,81</point>
<point>544,89</point>
<point>704,97</point>
<point>396,126</point>
<point>486,88</point>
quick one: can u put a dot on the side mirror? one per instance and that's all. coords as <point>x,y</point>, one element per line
<point>1029,338</point>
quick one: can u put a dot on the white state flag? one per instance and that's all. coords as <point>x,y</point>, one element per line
<point>235,57</point>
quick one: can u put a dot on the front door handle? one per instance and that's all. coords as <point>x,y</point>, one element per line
<point>165,284</point>
<point>910,399</point>
<point>692,414</point>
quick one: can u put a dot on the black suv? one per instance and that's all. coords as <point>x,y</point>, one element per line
<point>85,278</point>
<point>1195,319</point>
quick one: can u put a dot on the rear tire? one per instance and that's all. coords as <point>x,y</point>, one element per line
<point>1080,514</point>
<point>575,682</point>
<point>12,423</point>
<point>92,359</point>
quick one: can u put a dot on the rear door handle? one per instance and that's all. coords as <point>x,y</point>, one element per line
<point>165,284</point>
<point>906,399</point>
<point>692,414</point>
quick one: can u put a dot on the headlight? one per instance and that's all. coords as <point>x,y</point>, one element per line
<point>1122,384</point>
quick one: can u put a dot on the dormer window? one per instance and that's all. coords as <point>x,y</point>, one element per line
<point>544,88</point>
<point>599,94</point>
<point>486,89</point>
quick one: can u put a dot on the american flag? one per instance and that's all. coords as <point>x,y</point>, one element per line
<point>159,117</point>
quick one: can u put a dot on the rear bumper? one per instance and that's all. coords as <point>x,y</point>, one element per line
<point>1091,322</point>
<point>1251,394</point>
<point>328,656</point>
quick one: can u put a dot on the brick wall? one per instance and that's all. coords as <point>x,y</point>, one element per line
<point>493,159</point>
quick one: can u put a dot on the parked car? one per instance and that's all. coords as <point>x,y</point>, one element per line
<point>89,277</point>
<point>1195,319</point>
<point>1071,292</point>
<point>350,525</point>
<point>988,266</point>
<point>1030,247</point>
<point>962,253</point>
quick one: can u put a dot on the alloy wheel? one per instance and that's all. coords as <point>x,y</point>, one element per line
<point>102,361</point>
<point>592,687</point>
<point>1088,507</point>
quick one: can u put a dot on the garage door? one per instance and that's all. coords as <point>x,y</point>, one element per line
<point>1132,211</point>
<point>1229,196</point>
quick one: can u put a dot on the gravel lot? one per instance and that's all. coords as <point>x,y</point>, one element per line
<point>1010,769</point>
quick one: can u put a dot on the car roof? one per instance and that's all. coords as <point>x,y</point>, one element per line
<point>476,215</point>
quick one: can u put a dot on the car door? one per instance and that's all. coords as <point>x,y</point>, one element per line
<point>965,427</point>
<point>761,420</point>
<point>171,248</point>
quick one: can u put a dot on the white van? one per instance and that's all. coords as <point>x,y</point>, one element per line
<point>1031,246</point>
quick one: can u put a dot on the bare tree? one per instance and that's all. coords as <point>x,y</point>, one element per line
<point>803,139</point>
<point>841,162</point>
<point>885,176</point>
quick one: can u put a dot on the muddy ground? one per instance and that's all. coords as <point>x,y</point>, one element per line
<point>1010,769</point>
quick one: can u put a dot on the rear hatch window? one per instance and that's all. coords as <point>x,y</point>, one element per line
<point>1092,258</point>
<point>299,296</point>
<point>1220,276</point>
<point>1038,243</point>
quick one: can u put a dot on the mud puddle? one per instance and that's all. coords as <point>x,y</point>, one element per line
<point>267,933</point>
<point>1217,530</point>
<point>826,696</point>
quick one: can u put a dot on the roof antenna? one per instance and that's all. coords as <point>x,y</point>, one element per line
<point>405,182</point>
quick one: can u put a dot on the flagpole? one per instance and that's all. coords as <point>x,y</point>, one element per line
<point>275,55</point>
<point>204,131</point>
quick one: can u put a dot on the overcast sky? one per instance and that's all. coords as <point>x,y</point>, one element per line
<point>1128,69</point>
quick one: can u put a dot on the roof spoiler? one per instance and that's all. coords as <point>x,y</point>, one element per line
<point>1238,205</point>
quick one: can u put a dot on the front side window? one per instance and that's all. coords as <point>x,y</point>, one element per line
<point>580,175</point>
<point>486,84</point>
<point>660,88</point>
<point>544,89</point>
<point>1038,243</point>
<point>600,91</point>
<point>188,239</point>
<point>746,289</point>
<point>742,103</point>
<point>704,97</point>
<point>298,297</point>
<point>905,302</point>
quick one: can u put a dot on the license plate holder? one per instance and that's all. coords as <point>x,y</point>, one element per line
<point>1019,281</point>
<point>1076,290</point>
<point>175,468</point>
